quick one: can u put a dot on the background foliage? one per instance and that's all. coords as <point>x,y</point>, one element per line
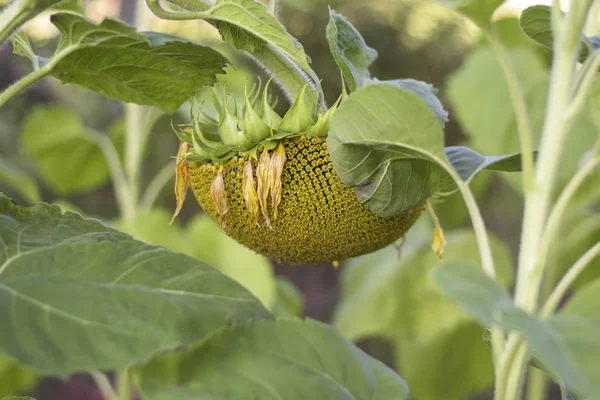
<point>387,304</point>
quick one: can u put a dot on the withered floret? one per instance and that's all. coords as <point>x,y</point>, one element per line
<point>318,218</point>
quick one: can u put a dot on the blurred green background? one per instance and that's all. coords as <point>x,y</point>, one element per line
<point>384,302</point>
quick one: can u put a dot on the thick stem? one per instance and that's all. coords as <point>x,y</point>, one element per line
<point>537,384</point>
<point>124,385</point>
<point>516,376</point>
<point>537,201</point>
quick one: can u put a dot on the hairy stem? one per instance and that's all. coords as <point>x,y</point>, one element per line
<point>14,15</point>
<point>537,201</point>
<point>565,283</point>
<point>156,185</point>
<point>24,83</point>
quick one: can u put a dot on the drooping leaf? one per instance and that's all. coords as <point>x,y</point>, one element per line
<point>78,296</point>
<point>536,22</point>
<point>113,59</point>
<point>55,139</point>
<point>19,180</point>
<point>479,11</point>
<point>387,143</point>
<point>14,378</point>
<point>286,359</point>
<point>349,50</point>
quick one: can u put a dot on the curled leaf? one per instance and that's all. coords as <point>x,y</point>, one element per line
<point>219,197</point>
<point>277,161</point>
<point>249,192</point>
<point>182,177</point>
<point>264,183</point>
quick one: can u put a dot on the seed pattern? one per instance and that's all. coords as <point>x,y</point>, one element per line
<point>319,218</point>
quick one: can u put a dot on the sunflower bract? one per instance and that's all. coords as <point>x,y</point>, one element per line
<point>319,218</point>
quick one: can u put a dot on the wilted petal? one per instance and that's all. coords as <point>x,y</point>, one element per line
<point>264,183</point>
<point>249,192</point>
<point>277,162</point>
<point>439,240</point>
<point>182,177</point>
<point>219,197</point>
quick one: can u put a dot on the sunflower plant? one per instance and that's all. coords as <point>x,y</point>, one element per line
<point>294,179</point>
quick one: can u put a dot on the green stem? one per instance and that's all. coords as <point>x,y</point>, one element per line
<point>119,179</point>
<point>565,283</point>
<point>557,213</point>
<point>156,185</point>
<point>503,369</point>
<point>108,393</point>
<point>520,110</point>
<point>24,83</point>
<point>14,15</point>
<point>584,85</point>
<point>516,376</point>
<point>537,384</point>
<point>537,201</point>
<point>123,385</point>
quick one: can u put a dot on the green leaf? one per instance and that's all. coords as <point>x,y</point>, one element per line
<point>566,343</point>
<point>113,59</point>
<point>248,25</point>
<point>78,296</point>
<point>18,398</point>
<point>479,11</point>
<point>374,149</point>
<point>290,301</point>
<point>14,378</point>
<point>349,50</point>
<point>250,269</point>
<point>425,91</point>
<point>55,139</point>
<point>286,359</point>
<point>22,47</point>
<point>536,22</point>
<point>20,180</point>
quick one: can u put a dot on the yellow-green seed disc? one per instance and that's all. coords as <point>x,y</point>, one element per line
<point>319,219</point>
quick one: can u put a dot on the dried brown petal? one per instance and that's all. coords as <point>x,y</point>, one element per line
<point>277,161</point>
<point>249,192</point>
<point>219,197</point>
<point>263,178</point>
<point>182,177</point>
<point>439,240</point>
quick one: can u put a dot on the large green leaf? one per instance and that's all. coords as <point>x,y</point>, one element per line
<point>20,180</point>
<point>55,139</point>
<point>388,144</point>
<point>249,26</point>
<point>536,22</point>
<point>566,344</point>
<point>14,378</point>
<point>479,11</point>
<point>388,295</point>
<point>77,296</point>
<point>286,359</point>
<point>349,50</point>
<point>113,59</point>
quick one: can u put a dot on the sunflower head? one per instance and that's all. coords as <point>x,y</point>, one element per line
<point>269,182</point>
